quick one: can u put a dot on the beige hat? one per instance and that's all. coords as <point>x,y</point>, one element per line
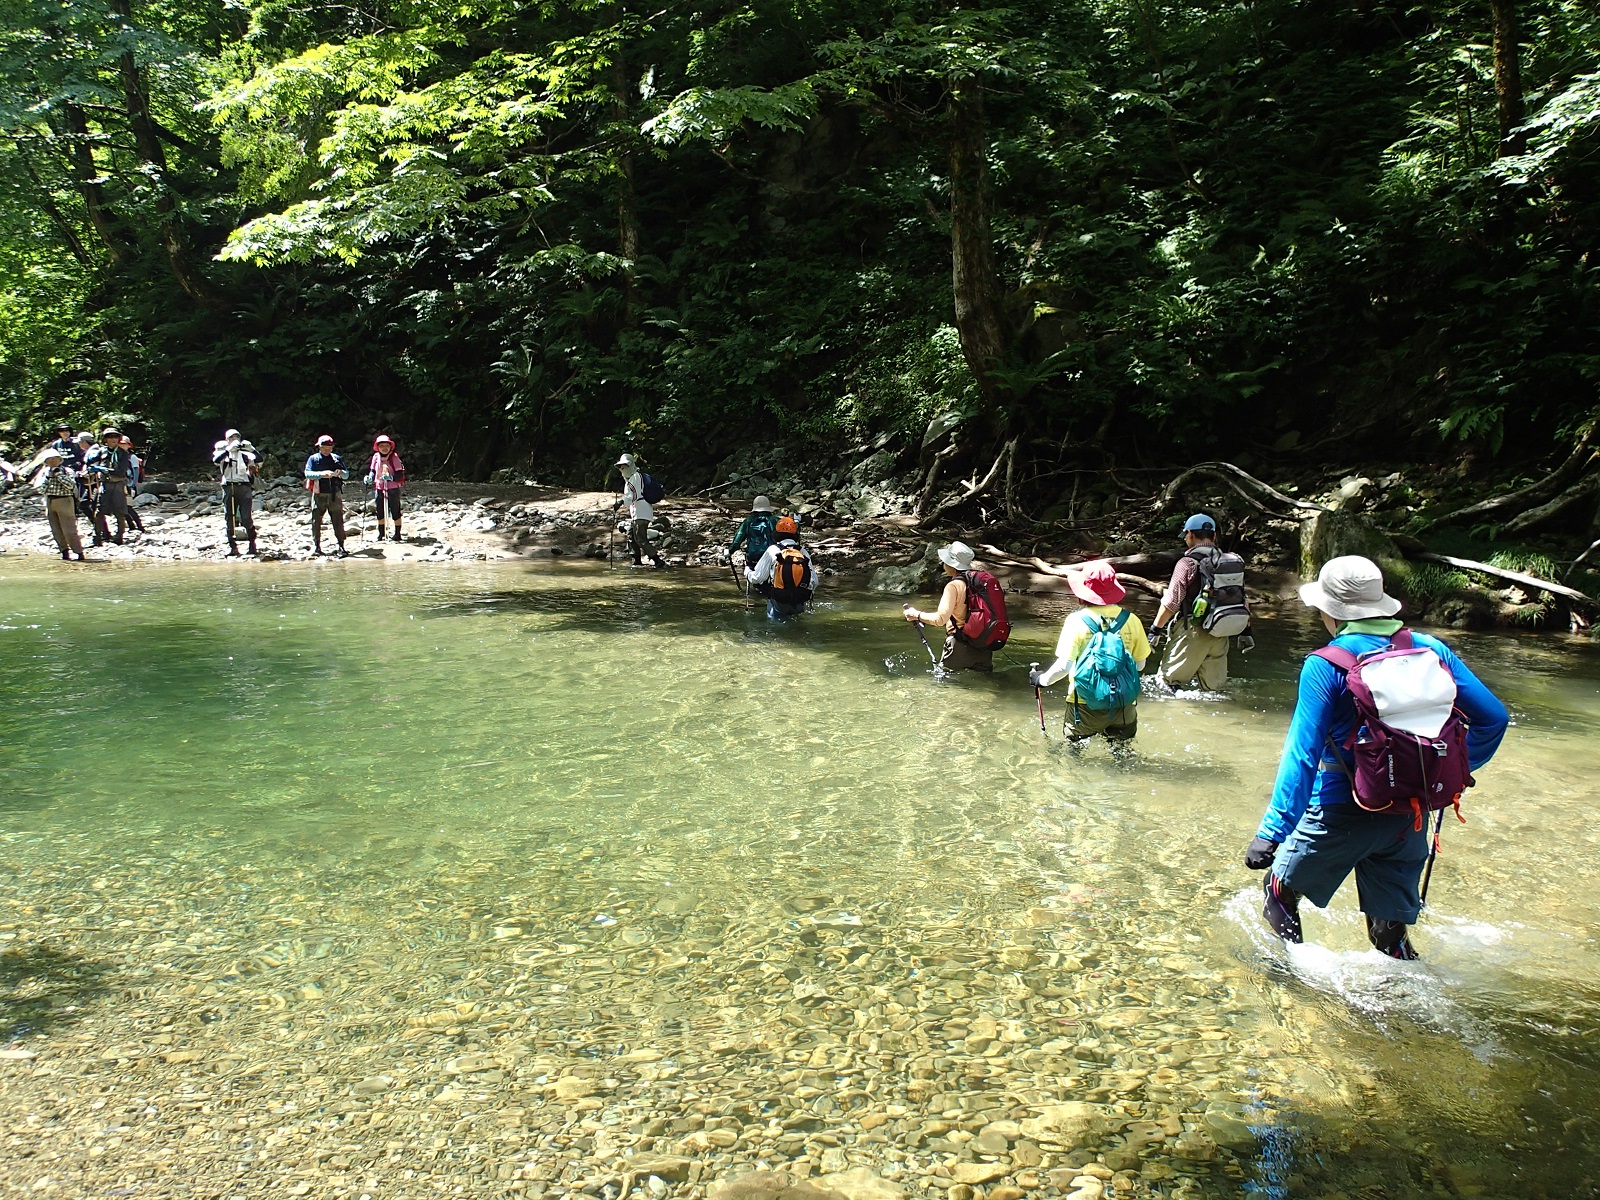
<point>762,504</point>
<point>958,555</point>
<point>1349,588</point>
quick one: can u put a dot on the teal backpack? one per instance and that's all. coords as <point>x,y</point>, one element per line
<point>1105,678</point>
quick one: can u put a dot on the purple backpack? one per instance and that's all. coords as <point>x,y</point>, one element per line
<point>1409,740</point>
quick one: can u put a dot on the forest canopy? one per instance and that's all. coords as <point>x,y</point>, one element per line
<point>1014,236</point>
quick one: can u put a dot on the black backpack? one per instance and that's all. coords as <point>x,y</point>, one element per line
<point>1220,606</point>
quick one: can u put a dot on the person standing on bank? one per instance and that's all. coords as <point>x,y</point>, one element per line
<point>325,476</point>
<point>640,512</point>
<point>135,478</point>
<point>110,465</point>
<point>1102,685</point>
<point>386,475</point>
<point>1198,654</point>
<point>784,573</point>
<point>55,482</point>
<point>972,612</point>
<point>1325,831</point>
<point>236,459</point>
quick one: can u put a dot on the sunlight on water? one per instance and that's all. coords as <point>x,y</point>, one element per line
<point>487,872</point>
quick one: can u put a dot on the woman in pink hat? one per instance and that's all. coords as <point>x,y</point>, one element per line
<point>386,474</point>
<point>1102,684</point>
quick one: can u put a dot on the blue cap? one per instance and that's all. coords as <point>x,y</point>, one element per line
<point>1200,523</point>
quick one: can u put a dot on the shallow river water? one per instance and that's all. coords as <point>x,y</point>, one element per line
<point>346,880</point>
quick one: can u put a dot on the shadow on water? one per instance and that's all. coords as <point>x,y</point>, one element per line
<point>41,989</point>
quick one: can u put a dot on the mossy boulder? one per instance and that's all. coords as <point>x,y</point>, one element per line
<point>1326,535</point>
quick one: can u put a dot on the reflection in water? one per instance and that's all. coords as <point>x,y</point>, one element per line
<point>511,877</point>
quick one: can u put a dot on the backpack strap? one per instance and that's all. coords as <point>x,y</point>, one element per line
<point>1119,623</point>
<point>1402,639</point>
<point>1338,656</point>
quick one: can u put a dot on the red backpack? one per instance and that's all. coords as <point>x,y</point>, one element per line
<point>986,626</point>
<point>1409,740</point>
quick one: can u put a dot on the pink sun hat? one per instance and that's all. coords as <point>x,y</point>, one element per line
<point>1096,583</point>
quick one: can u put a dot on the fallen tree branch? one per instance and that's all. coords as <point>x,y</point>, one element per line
<point>1582,490</point>
<point>1532,582</point>
<point>1236,476</point>
<point>1534,492</point>
<point>974,488</point>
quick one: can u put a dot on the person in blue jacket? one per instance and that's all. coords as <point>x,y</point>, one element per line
<point>1312,815</point>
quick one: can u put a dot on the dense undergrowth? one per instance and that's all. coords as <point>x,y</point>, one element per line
<point>1283,234</point>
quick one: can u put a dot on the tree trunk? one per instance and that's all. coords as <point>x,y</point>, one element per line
<point>147,144</point>
<point>1509,106</point>
<point>64,227</point>
<point>102,218</point>
<point>975,275</point>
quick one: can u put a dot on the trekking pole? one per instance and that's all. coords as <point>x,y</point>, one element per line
<point>933,658</point>
<point>1038,695</point>
<point>1433,853</point>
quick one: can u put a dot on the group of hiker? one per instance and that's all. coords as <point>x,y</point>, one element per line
<point>1387,729</point>
<point>79,475</point>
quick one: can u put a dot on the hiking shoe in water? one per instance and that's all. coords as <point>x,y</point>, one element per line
<point>1392,938</point>
<point>1282,909</point>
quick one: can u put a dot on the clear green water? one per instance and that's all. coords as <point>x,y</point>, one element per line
<point>270,834</point>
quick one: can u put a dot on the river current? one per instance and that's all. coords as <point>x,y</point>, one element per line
<point>351,880</point>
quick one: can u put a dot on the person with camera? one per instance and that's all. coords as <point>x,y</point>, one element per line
<point>236,459</point>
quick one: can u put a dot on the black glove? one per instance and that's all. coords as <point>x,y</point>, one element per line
<point>1033,675</point>
<point>1158,639</point>
<point>1246,643</point>
<point>1258,855</point>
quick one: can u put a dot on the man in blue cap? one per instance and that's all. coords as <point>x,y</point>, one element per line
<point>1198,653</point>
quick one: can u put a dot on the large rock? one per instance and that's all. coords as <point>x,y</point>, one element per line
<point>862,1183</point>
<point>912,577</point>
<point>768,1185</point>
<point>1327,535</point>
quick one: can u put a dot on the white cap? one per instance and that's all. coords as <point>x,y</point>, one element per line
<point>1349,588</point>
<point>230,433</point>
<point>625,461</point>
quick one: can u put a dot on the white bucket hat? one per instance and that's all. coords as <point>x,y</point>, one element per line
<point>958,555</point>
<point>1349,588</point>
<point>762,504</point>
<point>625,461</point>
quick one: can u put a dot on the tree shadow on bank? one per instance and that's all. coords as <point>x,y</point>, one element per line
<point>42,988</point>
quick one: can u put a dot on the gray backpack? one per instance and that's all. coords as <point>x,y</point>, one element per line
<point>1220,606</point>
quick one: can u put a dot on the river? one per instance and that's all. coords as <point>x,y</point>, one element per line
<point>355,880</point>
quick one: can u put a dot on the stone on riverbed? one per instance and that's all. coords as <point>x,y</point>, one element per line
<point>768,1185</point>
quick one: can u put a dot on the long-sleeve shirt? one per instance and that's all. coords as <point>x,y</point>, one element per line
<point>387,471</point>
<point>756,531</point>
<point>235,462</point>
<point>56,481</point>
<point>1309,774</point>
<point>1075,635</point>
<point>109,462</point>
<point>633,496</point>
<point>329,485</point>
<point>762,572</point>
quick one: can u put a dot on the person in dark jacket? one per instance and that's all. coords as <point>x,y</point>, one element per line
<point>325,476</point>
<point>109,465</point>
<point>1313,816</point>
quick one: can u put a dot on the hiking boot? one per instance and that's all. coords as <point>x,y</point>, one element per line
<point>233,549</point>
<point>380,533</point>
<point>316,549</point>
<point>1282,909</point>
<point>253,551</point>
<point>1392,938</point>
<point>65,557</point>
<point>397,536</point>
<point>341,552</point>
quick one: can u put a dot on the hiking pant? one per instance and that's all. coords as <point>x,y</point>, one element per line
<point>63,514</point>
<point>639,540</point>
<point>1196,658</point>
<point>963,656</point>
<point>1383,849</point>
<point>237,502</point>
<point>1118,724</point>
<point>113,502</point>
<point>330,504</point>
<point>389,499</point>
<point>777,610</point>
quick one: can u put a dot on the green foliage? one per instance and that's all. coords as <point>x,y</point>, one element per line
<point>1424,583</point>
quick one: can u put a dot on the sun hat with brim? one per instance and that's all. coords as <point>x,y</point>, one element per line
<point>1349,588</point>
<point>47,455</point>
<point>958,555</point>
<point>381,439</point>
<point>110,431</point>
<point>761,504</point>
<point>1096,583</point>
<point>62,426</point>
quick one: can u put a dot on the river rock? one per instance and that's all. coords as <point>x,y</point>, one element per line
<point>671,1167</point>
<point>1326,535</point>
<point>911,577</point>
<point>972,1172</point>
<point>1074,1118</point>
<point>1229,1125</point>
<point>768,1185</point>
<point>863,1183</point>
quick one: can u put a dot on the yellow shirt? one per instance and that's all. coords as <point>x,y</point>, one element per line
<point>1075,635</point>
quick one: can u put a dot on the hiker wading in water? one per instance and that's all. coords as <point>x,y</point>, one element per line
<point>1325,833</point>
<point>1100,653</point>
<point>971,611</point>
<point>1205,599</point>
<point>784,574</point>
<point>756,532</point>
